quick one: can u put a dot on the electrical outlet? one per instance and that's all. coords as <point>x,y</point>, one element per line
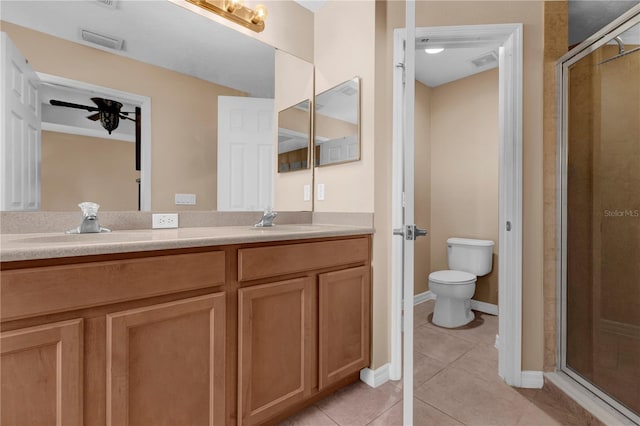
<point>164,220</point>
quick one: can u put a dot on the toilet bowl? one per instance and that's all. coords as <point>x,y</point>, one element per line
<point>454,288</point>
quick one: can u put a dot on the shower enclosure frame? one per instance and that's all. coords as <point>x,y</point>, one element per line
<point>599,39</point>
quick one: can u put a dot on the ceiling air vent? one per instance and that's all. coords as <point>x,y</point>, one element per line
<point>487,60</point>
<point>113,4</point>
<point>102,39</point>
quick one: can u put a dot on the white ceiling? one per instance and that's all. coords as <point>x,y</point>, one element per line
<point>160,33</point>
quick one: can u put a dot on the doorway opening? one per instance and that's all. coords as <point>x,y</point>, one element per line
<point>507,39</point>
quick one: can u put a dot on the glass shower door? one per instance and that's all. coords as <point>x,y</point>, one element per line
<point>601,219</point>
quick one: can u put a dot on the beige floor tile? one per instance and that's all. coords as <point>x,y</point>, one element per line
<point>424,368</point>
<point>423,415</point>
<point>421,313</point>
<point>482,359</point>
<point>439,345</point>
<point>312,416</point>
<point>483,329</point>
<point>473,400</point>
<point>534,416</point>
<point>359,404</point>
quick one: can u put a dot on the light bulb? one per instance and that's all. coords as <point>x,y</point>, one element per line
<point>434,50</point>
<point>259,14</point>
<point>232,5</point>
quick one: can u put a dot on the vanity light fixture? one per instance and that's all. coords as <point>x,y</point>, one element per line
<point>235,11</point>
<point>434,50</point>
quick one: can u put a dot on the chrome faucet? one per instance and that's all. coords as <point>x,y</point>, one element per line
<point>267,218</point>
<point>89,220</point>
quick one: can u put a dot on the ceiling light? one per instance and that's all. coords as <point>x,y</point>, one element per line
<point>434,50</point>
<point>235,11</point>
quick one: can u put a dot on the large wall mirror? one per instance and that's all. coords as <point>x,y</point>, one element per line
<point>180,61</point>
<point>294,137</point>
<point>337,124</point>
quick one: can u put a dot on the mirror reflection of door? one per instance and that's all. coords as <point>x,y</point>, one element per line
<point>20,139</point>
<point>294,137</point>
<point>245,153</point>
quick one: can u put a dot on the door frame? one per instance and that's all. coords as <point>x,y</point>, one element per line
<point>144,102</point>
<point>510,192</point>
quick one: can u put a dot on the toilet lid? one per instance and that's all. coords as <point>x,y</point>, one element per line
<point>452,277</point>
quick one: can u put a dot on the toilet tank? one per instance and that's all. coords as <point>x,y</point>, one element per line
<point>469,255</point>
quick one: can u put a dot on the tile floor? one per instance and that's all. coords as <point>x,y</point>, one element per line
<point>456,383</point>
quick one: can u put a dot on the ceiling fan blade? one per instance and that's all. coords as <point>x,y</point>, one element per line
<point>124,117</point>
<point>71,105</point>
<point>94,117</point>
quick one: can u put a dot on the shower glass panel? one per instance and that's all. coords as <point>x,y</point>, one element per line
<point>601,218</point>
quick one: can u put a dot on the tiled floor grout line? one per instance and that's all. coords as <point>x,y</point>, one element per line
<point>381,414</point>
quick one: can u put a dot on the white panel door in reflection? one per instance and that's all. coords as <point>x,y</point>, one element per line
<point>245,153</point>
<point>20,131</point>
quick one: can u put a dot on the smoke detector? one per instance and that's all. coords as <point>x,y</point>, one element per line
<point>103,40</point>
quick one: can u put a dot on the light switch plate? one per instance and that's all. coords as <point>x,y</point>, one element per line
<point>186,199</point>
<point>307,193</point>
<point>320,191</point>
<point>164,220</point>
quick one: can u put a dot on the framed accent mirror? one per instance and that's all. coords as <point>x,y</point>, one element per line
<point>337,124</point>
<point>294,137</point>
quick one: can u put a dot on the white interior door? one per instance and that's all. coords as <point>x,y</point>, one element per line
<point>402,213</point>
<point>20,149</point>
<point>245,153</point>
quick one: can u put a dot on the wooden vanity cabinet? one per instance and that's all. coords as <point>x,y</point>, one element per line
<point>42,374</point>
<point>115,340</point>
<point>238,334</point>
<point>304,327</point>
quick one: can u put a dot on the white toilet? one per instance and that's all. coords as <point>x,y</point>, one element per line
<point>454,288</point>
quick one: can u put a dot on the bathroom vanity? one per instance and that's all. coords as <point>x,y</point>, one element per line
<point>191,326</point>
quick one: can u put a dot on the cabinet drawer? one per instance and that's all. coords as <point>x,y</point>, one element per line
<point>35,291</point>
<point>264,262</point>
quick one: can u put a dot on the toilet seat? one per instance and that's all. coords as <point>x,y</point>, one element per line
<point>452,277</point>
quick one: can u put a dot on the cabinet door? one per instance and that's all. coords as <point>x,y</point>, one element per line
<point>42,375</point>
<point>344,323</point>
<point>274,329</point>
<point>166,362</point>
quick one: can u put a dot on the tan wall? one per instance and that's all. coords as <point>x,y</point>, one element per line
<point>345,48</point>
<point>464,170</point>
<point>80,168</point>
<point>288,27</point>
<point>555,45</point>
<point>183,111</point>
<point>294,83</point>
<point>440,13</point>
<point>422,187</point>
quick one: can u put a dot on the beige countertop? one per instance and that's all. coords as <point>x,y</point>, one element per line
<point>14,247</point>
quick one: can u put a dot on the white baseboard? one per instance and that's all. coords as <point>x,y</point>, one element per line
<point>487,308</point>
<point>423,297</point>
<point>532,379</point>
<point>377,377</point>
<point>476,305</point>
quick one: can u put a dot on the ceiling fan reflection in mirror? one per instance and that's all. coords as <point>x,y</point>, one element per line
<point>108,112</point>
